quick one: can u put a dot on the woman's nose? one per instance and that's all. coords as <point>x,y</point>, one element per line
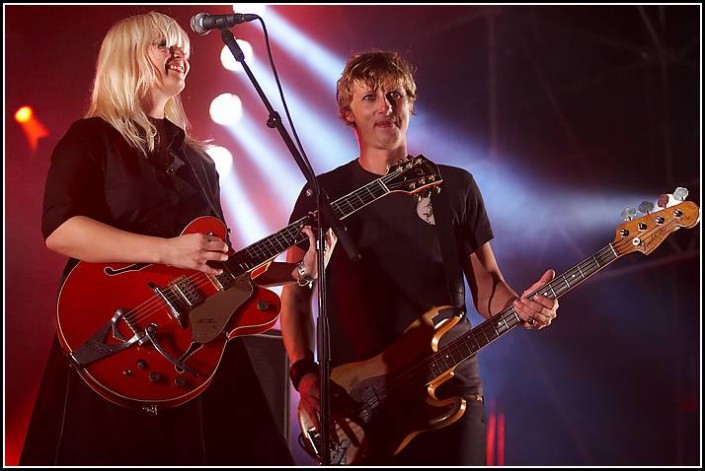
<point>177,52</point>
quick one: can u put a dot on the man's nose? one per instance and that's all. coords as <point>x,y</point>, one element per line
<point>386,104</point>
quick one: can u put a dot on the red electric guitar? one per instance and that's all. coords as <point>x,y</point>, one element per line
<point>148,335</point>
<point>380,404</point>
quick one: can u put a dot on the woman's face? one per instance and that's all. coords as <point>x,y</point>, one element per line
<point>172,67</point>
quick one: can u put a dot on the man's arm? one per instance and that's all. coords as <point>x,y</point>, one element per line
<point>491,294</point>
<point>298,336</point>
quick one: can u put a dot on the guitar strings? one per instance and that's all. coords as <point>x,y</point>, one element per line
<point>155,305</point>
<point>412,375</point>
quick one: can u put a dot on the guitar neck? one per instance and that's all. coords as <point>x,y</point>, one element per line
<point>470,343</point>
<point>264,250</point>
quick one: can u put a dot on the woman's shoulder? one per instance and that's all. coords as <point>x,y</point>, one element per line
<point>88,134</point>
<point>91,126</point>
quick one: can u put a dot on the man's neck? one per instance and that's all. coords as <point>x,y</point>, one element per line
<point>378,160</point>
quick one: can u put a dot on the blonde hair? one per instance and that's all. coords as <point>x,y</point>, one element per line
<point>375,69</point>
<point>124,75</point>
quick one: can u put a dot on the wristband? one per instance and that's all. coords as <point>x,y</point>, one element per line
<point>304,277</point>
<point>301,368</point>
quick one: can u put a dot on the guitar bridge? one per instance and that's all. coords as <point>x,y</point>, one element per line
<point>95,347</point>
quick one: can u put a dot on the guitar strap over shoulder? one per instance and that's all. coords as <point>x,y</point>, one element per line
<point>199,173</point>
<point>449,247</point>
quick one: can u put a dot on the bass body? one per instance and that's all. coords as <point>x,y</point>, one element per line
<point>380,404</point>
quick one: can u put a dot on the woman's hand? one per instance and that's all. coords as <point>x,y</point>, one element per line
<point>194,251</point>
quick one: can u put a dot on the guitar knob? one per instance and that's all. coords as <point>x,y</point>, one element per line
<point>180,381</point>
<point>141,364</point>
<point>262,305</point>
<point>155,376</point>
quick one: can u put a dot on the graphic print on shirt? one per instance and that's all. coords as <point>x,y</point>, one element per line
<point>425,210</point>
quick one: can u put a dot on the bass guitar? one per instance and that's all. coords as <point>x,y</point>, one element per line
<point>149,335</point>
<point>380,404</point>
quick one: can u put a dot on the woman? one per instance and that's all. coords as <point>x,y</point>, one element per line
<point>123,184</point>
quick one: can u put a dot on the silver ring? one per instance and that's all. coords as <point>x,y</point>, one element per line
<point>531,321</point>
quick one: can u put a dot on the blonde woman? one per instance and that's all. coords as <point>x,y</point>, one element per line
<point>123,184</point>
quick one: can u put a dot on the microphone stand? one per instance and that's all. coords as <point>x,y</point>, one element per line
<point>325,214</point>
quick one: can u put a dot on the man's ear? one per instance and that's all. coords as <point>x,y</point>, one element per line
<point>348,116</point>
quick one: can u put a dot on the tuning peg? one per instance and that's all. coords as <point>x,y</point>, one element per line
<point>662,201</point>
<point>646,207</point>
<point>628,214</point>
<point>680,193</point>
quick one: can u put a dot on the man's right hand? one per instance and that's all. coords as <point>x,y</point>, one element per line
<point>310,399</point>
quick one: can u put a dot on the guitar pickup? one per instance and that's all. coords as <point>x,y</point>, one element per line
<point>187,292</point>
<point>170,304</point>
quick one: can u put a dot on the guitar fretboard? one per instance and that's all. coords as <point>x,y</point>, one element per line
<point>470,343</point>
<point>252,256</point>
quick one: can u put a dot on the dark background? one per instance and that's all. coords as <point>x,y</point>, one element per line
<point>565,115</point>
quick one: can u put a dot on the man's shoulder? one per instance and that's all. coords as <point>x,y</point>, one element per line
<point>455,175</point>
<point>340,170</point>
<point>453,170</point>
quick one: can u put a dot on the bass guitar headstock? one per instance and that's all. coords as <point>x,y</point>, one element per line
<point>645,233</point>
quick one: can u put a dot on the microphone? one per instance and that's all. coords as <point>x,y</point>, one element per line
<point>203,23</point>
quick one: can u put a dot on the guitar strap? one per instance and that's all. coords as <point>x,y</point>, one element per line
<point>200,173</point>
<point>449,247</point>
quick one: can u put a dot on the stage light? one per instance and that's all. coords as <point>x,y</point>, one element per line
<point>324,65</point>
<point>255,8</point>
<point>24,114</point>
<point>226,109</point>
<point>32,128</point>
<point>223,159</point>
<point>229,62</point>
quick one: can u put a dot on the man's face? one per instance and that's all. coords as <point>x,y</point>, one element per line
<point>381,116</point>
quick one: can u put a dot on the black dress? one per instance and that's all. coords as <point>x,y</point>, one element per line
<point>96,173</point>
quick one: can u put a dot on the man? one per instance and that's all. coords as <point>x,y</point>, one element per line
<point>401,275</point>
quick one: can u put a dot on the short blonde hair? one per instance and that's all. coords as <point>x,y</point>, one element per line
<point>375,69</point>
<point>124,75</point>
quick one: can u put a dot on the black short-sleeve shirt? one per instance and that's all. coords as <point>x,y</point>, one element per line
<point>95,173</point>
<point>401,273</point>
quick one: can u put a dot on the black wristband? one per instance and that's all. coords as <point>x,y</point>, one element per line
<point>301,368</point>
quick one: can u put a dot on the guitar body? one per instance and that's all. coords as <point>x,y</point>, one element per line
<point>148,335</point>
<point>363,427</point>
<point>379,405</point>
<point>127,340</point>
